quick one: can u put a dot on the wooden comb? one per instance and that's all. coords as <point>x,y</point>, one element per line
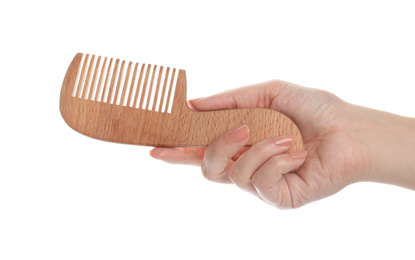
<point>143,104</point>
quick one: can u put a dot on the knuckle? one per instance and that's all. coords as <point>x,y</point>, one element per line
<point>328,95</point>
<point>204,171</point>
<point>255,181</point>
<point>212,176</point>
<point>243,182</point>
<point>276,81</point>
<point>275,162</point>
<point>261,148</point>
<point>214,150</point>
<point>261,185</point>
<point>206,174</point>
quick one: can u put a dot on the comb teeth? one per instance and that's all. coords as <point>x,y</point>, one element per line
<point>118,82</point>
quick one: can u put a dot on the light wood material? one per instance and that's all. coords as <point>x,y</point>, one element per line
<point>104,119</point>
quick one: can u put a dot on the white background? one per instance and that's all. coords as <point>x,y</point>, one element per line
<point>67,196</point>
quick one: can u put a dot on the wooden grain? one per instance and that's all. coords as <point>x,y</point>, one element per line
<point>182,127</point>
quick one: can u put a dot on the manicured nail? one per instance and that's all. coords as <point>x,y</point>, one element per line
<point>157,152</point>
<point>239,134</point>
<point>196,99</point>
<point>191,103</point>
<point>298,155</point>
<point>285,140</point>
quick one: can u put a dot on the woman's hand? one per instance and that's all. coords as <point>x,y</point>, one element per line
<point>338,138</point>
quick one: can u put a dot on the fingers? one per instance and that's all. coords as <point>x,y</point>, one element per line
<point>269,180</point>
<point>242,170</point>
<point>260,169</point>
<point>218,155</point>
<point>179,155</point>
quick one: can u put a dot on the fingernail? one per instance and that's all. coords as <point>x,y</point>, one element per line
<point>196,99</point>
<point>157,152</point>
<point>285,140</point>
<point>239,134</point>
<point>298,155</point>
<point>191,102</point>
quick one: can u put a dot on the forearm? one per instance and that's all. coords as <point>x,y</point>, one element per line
<point>390,144</point>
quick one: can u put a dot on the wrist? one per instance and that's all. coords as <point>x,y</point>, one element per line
<point>389,141</point>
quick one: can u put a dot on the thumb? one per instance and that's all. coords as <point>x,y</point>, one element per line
<point>272,94</point>
<point>258,95</point>
<point>284,97</point>
<point>215,102</point>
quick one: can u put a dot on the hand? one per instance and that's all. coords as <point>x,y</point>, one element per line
<point>338,138</point>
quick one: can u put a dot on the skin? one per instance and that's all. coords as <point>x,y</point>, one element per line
<point>344,144</point>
